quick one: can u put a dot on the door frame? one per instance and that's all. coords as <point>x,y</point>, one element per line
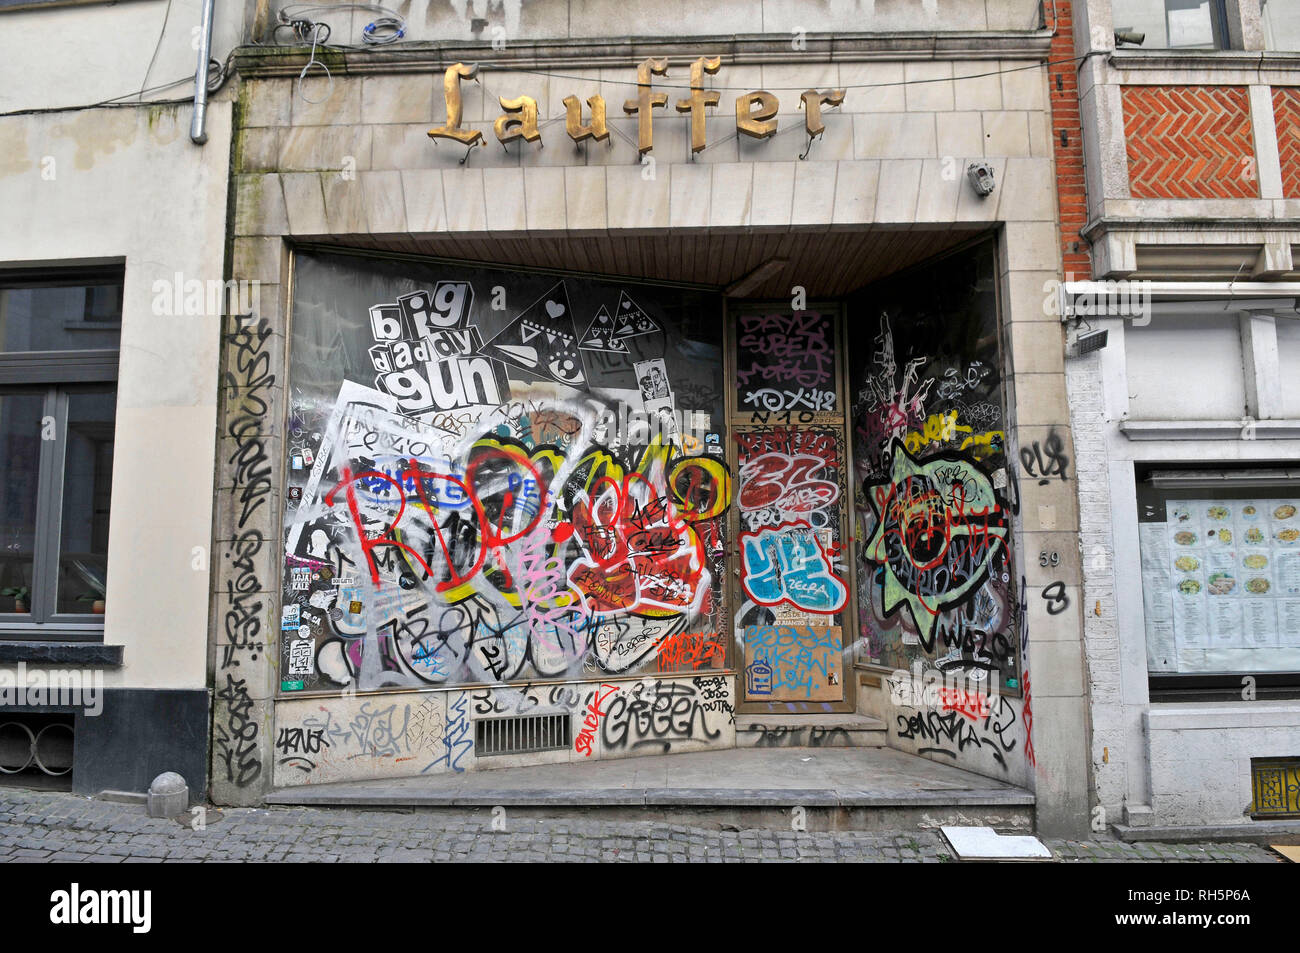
<point>839,421</point>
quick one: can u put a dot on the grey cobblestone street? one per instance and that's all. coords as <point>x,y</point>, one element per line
<point>56,827</point>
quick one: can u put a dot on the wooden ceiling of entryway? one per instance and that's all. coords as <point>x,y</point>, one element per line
<point>826,264</point>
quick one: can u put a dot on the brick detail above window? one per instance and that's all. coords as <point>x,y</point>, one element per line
<point>1286,113</point>
<point>1190,142</point>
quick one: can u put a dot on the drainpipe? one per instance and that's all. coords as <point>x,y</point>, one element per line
<point>198,130</point>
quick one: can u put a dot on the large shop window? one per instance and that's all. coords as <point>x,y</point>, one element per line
<point>1220,557</point>
<point>934,481</point>
<point>59,333</point>
<point>1174,24</point>
<point>500,475</point>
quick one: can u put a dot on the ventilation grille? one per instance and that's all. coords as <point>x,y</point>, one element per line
<point>521,734</point>
<point>1275,784</point>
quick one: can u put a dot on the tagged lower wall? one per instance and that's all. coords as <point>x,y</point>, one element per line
<point>403,735</point>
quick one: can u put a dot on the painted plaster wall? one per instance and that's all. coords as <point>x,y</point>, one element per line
<point>74,56</point>
<point>128,185</point>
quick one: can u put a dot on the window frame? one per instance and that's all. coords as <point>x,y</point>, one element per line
<point>58,374</point>
<point>1235,476</point>
<point>1221,35</point>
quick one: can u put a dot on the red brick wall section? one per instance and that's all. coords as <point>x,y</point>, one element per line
<point>1189,142</point>
<point>1063,95</point>
<point>1286,113</point>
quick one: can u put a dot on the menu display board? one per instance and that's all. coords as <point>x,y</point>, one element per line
<point>1221,586</point>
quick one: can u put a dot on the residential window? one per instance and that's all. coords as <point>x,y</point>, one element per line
<point>1174,24</point>
<point>59,334</point>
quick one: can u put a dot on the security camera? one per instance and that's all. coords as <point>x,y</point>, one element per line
<point>981,177</point>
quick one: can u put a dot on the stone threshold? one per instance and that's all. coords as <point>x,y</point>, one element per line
<point>821,778</point>
<point>1255,832</point>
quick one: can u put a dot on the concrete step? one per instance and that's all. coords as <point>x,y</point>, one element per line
<point>823,730</point>
<point>815,789</point>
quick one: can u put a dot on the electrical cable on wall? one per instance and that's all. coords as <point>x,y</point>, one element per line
<point>295,21</point>
<point>312,61</point>
<point>302,29</point>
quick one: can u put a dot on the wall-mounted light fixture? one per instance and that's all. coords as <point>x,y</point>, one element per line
<point>1093,339</point>
<point>981,178</point>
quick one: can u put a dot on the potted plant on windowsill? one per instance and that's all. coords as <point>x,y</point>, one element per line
<point>96,602</point>
<point>19,595</point>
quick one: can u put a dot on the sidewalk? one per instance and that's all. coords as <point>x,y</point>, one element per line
<point>37,826</point>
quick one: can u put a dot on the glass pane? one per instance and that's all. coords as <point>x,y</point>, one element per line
<point>60,318</point>
<point>1221,579</point>
<point>937,580</point>
<point>1282,24</point>
<point>20,461</point>
<point>1168,24</point>
<point>87,481</point>
<point>785,361</point>
<point>573,488</point>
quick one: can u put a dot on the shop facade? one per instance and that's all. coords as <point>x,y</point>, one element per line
<point>1185,421</point>
<point>607,396</point>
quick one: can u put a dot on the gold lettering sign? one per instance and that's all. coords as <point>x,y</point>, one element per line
<point>519,120</point>
<point>573,119</point>
<point>757,122</point>
<point>812,108</point>
<point>700,98</point>
<point>755,111</point>
<point>451,93</point>
<point>646,101</point>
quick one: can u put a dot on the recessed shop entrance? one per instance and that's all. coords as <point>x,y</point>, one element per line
<point>552,476</point>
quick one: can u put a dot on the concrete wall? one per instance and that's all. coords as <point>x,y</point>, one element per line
<point>511,20</point>
<point>1137,769</point>
<point>1200,756</point>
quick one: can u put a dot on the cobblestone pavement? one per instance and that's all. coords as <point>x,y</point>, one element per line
<point>42,826</point>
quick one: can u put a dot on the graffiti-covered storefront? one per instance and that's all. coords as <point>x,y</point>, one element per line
<point>617,435</point>
<point>483,493</point>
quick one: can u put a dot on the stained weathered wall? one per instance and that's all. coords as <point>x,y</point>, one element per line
<point>107,51</point>
<point>509,21</point>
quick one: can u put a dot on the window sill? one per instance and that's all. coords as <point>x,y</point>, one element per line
<point>1204,59</point>
<point>1220,715</point>
<point>58,653</point>
<point>1210,429</point>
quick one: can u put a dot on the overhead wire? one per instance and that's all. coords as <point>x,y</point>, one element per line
<point>390,28</point>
